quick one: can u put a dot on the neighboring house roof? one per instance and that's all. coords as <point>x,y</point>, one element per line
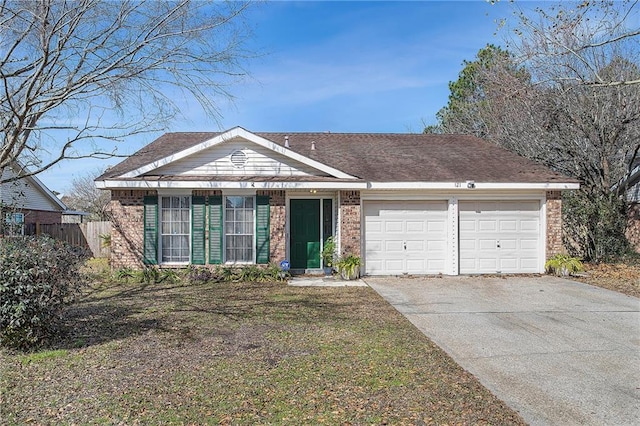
<point>350,157</point>
<point>28,192</point>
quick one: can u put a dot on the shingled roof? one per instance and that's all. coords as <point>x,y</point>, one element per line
<point>378,157</point>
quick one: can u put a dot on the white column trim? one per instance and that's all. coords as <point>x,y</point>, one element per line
<point>453,236</point>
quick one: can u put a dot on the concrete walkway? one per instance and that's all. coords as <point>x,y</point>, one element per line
<point>322,281</point>
<point>557,351</point>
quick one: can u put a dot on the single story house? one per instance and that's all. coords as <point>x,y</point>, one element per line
<point>27,202</point>
<point>404,203</point>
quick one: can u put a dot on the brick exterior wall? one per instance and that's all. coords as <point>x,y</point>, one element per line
<point>42,217</point>
<point>554,223</point>
<point>278,221</point>
<point>350,222</point>
<point>127,213</point>
<point>127,210</point>
<point>633,226</point>
<point>32,219</point>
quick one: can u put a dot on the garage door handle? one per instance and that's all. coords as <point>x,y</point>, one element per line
<point>498,244</point>
<point>405,246</point>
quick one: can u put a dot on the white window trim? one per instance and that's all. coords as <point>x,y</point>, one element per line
<point>160,234</point>
<point>245,194</point>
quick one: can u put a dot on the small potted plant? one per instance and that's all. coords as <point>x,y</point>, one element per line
<point>328,255</point>
<point>349,267</point>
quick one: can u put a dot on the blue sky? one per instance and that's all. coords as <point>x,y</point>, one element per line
<point>350,66</point>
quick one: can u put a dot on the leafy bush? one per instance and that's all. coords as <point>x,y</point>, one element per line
<point>38,277</point>
<point>563,264</point>
<point>245,273</point>
<point>201,274</point>
<point>594,225</point>
<point>124,274</point>
<point>329,252</point>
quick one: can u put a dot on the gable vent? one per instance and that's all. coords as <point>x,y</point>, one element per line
<point>238,159</point>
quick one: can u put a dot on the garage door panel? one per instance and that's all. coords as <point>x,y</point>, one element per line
<point>391,246</point>
<point>514,228</point>
<point>467,225</point>
<point>393,226</point>
<point>506,244</point>
<point>508,264</point>
<point>529,225</point>
<point>487,226</point>
<point>393,266</point>
<point>415,246</point>
<point>415,266</point>
<point>487,244</point>
<point>439,226</point>
<point>412,234</point>
<point>468,245</point>
<point>374,245</point>
<point>437,246</point>
<point>415,226</point>
<point>529,264</point>
<point>374,226</point>
<point>435,264</point>
<point>488,264</point>
<point>508,225</point>
<point>374,265</point>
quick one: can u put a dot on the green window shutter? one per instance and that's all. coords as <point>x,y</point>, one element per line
<point>150,244</point>
<point>215,230</point>
<point>262,229</point>
<point>197,230</point>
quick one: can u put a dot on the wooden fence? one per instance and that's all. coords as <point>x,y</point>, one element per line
<point>85,235</point>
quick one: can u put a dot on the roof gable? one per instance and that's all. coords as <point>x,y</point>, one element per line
<point>28,192</point>
<point>212,157</point>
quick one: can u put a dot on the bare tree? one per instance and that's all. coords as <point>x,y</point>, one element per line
<point>83,195</point>
<point>575,40</point>
<point>74,74</point>
<point>585,131</point>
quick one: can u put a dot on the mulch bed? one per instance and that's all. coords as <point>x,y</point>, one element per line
<point>620,277</point>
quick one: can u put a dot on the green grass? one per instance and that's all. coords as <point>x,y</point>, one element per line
<point>240,353</point>
<point>43,355</point>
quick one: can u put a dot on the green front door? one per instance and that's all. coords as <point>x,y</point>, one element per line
<point>305,234</point>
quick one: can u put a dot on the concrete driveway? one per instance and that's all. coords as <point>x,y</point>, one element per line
<point>556,351</point>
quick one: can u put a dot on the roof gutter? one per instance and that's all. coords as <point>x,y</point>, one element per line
<point>473,185</point>
<point>454,186</point>
<point>123,184</point>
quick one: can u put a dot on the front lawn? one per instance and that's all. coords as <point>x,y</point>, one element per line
<point>240,353</point>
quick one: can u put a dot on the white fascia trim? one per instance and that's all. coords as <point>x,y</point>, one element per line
<point>463,186</point>
<point>123,184</point>
<point>231,134</point>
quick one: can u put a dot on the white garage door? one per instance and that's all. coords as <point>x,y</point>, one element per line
<point>499,237</point>
<point>405,237</point>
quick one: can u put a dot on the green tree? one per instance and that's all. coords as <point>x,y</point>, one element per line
<point>474,92</point>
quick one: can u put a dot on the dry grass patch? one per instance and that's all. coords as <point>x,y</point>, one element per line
<point>241,354</point>
<point>620,277</point>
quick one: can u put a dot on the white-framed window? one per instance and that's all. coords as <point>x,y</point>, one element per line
<point>239,229</point>
<point>14,222</point>
<point>175,229</point>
